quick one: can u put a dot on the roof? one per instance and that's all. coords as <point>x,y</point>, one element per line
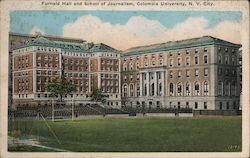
<point>53,38</point>
<point>67,46</point>
<point>174,45</point>
<point>101,47</point>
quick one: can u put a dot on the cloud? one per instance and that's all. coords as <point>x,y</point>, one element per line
<point>36,30</point>
<point>142,31</point>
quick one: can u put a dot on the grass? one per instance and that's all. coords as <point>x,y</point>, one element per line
<point>220,134</point>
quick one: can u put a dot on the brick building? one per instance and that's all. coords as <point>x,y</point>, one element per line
<point>87,66</point>
<point>200,73</point>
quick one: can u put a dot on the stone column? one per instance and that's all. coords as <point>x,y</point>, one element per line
<point>155,83</point>
<point>147,82</point>
<point>141,84</point>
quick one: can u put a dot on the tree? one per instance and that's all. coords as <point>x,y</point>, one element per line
<point>97,96</point>
<point>60,87</point>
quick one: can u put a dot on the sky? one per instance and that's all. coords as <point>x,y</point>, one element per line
<point>126,29</point>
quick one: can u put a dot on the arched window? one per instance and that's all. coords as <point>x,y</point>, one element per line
<point>220,88</point>
<point>197,88</point>
<point>205,59</point>
<point>179,89</point>
<point>171,89</point>
<point>145,89</point>
<point>125,91</point>
<point>188,89</point>
<point>206,88</point>
<point>124,67</point>
<point>131,88</point>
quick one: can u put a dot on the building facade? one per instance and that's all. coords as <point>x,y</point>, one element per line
<point>200,73</point>
<point>87,66</point>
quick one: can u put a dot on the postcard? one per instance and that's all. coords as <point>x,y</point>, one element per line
<point>124,78</point>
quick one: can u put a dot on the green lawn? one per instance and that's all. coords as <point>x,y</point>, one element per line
<point>139,134</point>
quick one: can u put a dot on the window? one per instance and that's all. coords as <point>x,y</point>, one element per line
<point>171,74</point>
<point>187,61</point>
<point>179,61</point>
<point>138,77</point>
<point>188,89</point>
<point>187,51</point>
<point>179,89</point>
<point>226,59</point>
<point>152,89</point>
<point>227,89</point>
<point>131,77</point>
<point>228,105</point>
<point>197,89</point>
<point>219,71</point>
<point>131,90</point>
<point>206,72</point>
<point>196,105</point>
<point>226,72</point>
<point>153,62</point>
<point>219,59</point>
<point>205,105</point>
<point>205,59</point>
<point>196,72</point>
<point>196,60</point>
<point>187,73</point>
<point>220,88</point>
<point>187,105</point>
<point>206,88</point>
<point>221,105</point>
<point>196,51</point>
<point>137,66</point>
<point>233,61</point>
<point>137,90</point>
<point>233,90</point>
<point>125,91</point>
<point>205,50</point>
<point>161,61</point>
<point>145,63</point>
<point>124,67</point>
<point>159,75</point>
<point>226,50</point>
<point>131,66</point>
<point>179,52</point>
<point>125,78</point>
<point>171,89</point>
<point>179,73</point>
<point>171,62</point>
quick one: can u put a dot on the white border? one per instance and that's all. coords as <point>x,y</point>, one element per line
<point>8,6</point>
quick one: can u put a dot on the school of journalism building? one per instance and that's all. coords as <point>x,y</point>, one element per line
<point>199,73</point>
